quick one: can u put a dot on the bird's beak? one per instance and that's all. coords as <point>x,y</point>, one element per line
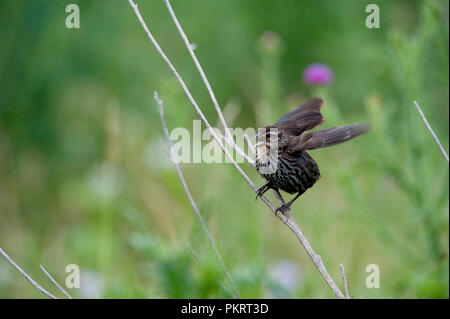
<point>258,144</point>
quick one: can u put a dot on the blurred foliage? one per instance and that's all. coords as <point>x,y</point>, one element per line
<point>84,179</point>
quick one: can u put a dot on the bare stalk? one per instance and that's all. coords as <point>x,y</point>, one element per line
<point>229,137</point>
<point>34,283</point>
<point>189,95</point>
<point>54,281</point>
<point>344,279</point>
<point>287,216</point>
<point>431,130</point>
<point>191,199</point>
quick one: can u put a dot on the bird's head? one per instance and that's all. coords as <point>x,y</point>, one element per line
<point>271,139</point>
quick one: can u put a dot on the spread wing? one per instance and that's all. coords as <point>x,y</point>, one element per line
<point>328,137</point>
<point>303,118</point>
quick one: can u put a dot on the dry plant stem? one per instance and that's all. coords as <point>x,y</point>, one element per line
<point>54,281</point>
<point>34,283</point>
<point>191,199</point>
<point>431,130</point>
<point>344,279</point>
<point>188,93</point>
<point>228,136</point>
<point>286,217</point>
<point>197,109</point>
<point>199,68</point>
<point>290,222</point>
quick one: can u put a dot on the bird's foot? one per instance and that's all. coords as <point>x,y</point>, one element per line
<point>283,208</point>
<point>262,190</point>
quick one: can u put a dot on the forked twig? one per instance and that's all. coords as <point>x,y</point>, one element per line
<point>228,136</point>
<point>189,95</point>
<point>286,218</point>
<point>34,283</point>
<point>191,199</point>
<point>200,69</point>
<point>431,130</point>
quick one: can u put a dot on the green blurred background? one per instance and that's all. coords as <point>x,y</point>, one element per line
<point>84,179</point>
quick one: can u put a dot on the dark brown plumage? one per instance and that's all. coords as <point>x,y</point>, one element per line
<point>281,156</point>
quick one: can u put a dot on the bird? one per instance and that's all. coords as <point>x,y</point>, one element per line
<point>281,156</point>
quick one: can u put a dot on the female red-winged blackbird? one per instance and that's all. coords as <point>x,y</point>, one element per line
<point>281,156</point>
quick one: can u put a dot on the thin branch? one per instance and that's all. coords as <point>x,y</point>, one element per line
<point>228,135</point>
<point>189,95</point>
<point>54,281</point>
<point>431,130</point>
<point>191,199</point>
<point>196,107</point>
<point>286,218</point>
<point>199,68</point>
<point>34,283</point>
<point>344,279</point>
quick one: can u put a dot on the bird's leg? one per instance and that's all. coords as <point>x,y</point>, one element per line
<point>283,207</point>
<point>279,194</point>
<point>262,190</point>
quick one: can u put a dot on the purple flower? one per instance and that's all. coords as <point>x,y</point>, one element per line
<point>318,74</point>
